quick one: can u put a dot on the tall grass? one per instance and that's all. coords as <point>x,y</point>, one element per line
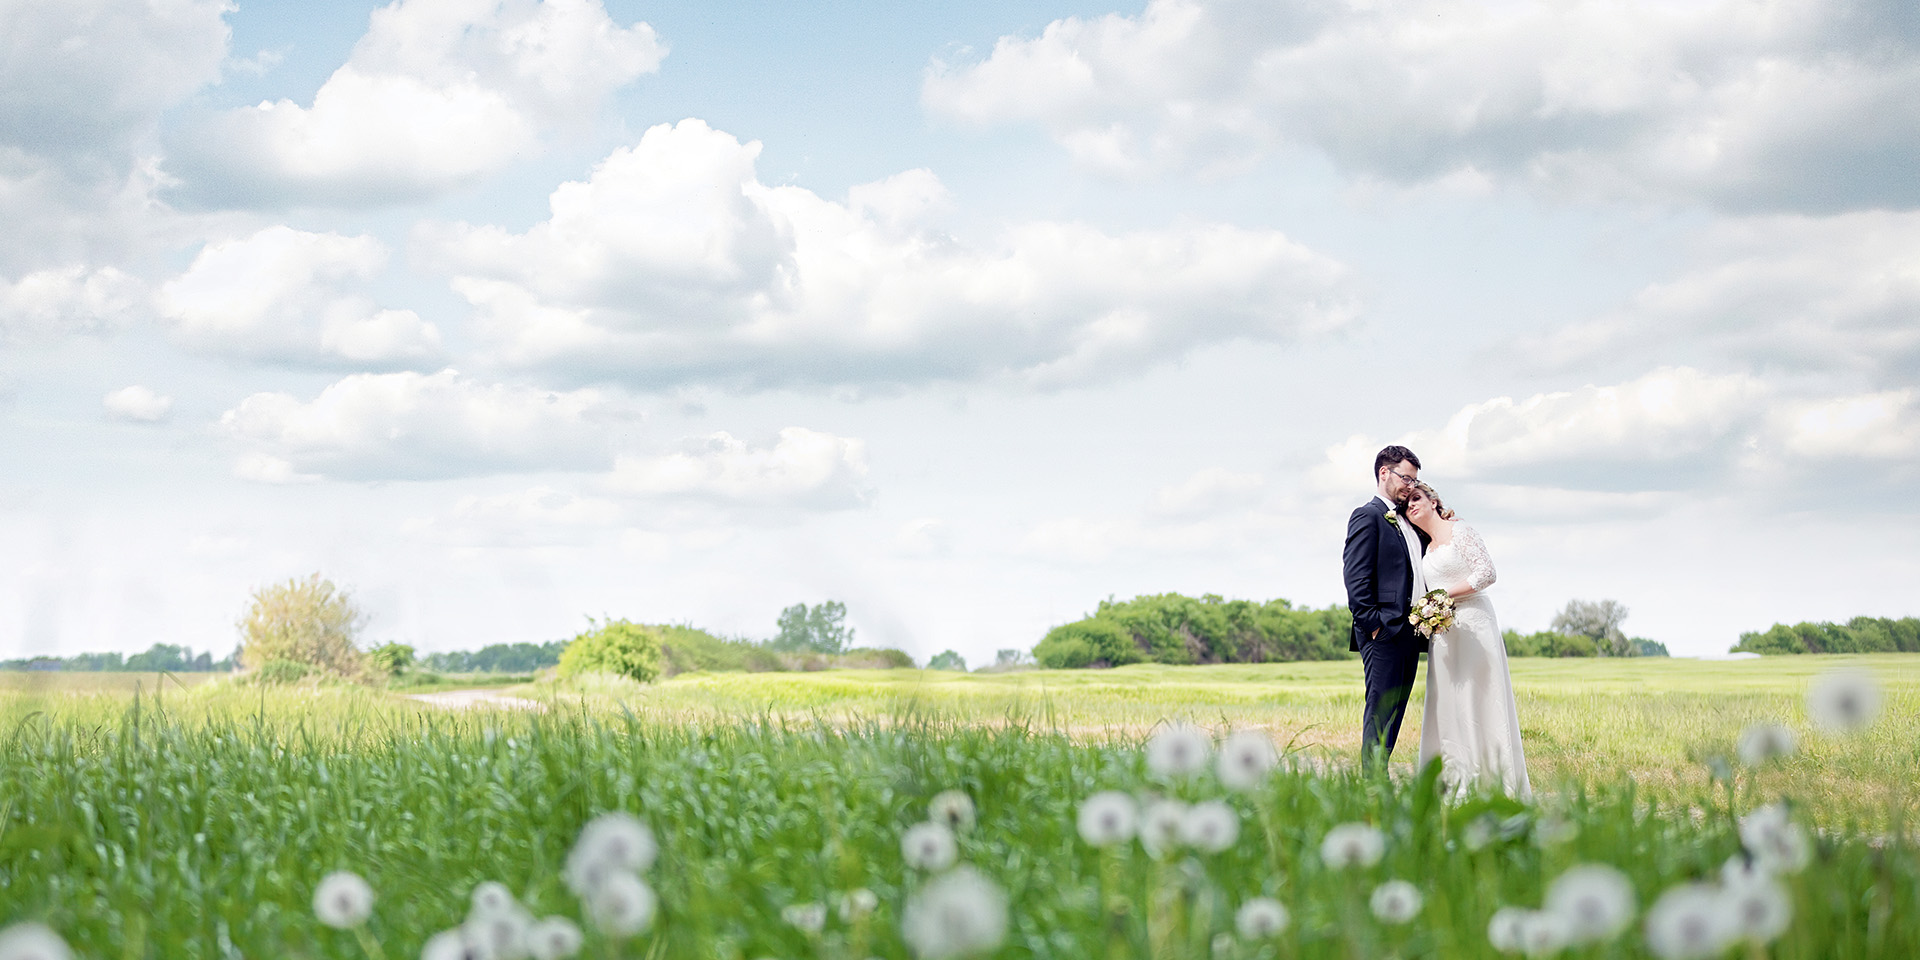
<point>197,823</point>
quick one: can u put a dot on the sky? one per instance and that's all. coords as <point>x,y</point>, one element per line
<point>506,314</point>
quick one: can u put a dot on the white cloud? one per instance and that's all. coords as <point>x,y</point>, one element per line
<point>285,294</point>
<point>50,304</point>
<point>1783,104</point>
<point>1672,430</point>
<point>137,404</point>
<point>1207,492</point>
<point>801,468</point>
<point>436,94</point>
<point>89,76</point>
<point>674,264</point>
<point>410,426</point>
<point>536,517</point>
<point>924,537</point>
<point>1836,295</point>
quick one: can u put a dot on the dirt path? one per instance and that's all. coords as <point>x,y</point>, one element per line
<point>468,699</point>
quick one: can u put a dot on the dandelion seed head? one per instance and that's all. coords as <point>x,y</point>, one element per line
<point>1742,868</point>
<point>929,846</point>
<point>953,809</point>
<point>343,900</point>
<point>1777,844</point>
<point>32,941</point>
<point>1760,910</point>
<point>1504,928</point>
<point>857,903</point>
<point>1178,750</point>
<point>1160,826</point>
<point>1210,827</point>
<point>501,934</point>
<point>1544,933</point>
<point>1479,832</point>
<point>1108,818</point>
<point>451,945</point>
<point>492,896</point>
<point>1246,758</point>
<point>553,938</point>
<point>611,843</point>
<point>1353,845</point>
<point>1595,900</point>
<point>1260,918</point>
<point>810,917</point>
<point>1763,742</point>
<point>958,913</point>
<point>1688,923</point>
<point>1396,901</point>
<point>1844,700</point>
<point>623,905</point>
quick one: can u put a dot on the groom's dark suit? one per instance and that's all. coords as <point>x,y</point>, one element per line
<point>1379,592</point>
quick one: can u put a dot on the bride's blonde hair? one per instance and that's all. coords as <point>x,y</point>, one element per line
<point>1439,508</point>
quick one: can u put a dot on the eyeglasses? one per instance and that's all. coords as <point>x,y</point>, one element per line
<point>1402,476</point>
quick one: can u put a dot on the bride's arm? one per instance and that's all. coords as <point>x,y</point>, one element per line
<point>1472,549</point>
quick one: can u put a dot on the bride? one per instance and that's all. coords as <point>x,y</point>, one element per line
<point>1471,723</point>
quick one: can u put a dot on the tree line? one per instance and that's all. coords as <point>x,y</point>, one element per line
<point>1859,635</point>
<point>161,657</point>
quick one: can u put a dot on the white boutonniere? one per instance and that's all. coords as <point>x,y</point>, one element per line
<point>1393,518</point>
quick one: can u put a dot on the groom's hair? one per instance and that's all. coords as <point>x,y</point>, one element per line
<point>1388,456</point>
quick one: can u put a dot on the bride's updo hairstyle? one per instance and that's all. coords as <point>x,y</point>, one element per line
<point>1439,509</point>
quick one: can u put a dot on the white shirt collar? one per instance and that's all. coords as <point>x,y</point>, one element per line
<point>1390,504</point>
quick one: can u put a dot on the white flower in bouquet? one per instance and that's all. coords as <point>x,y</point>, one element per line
<point>1764,741</point>
<point>1260,918</point>
<point>553,938</point>
<point>1689,922</point>
<point>1596,900</point>
<point>1161,825</point>
<point>1353,845</point>
<point>1246,759</point>
<point>959,913</point>
<point>1210,827</point>
<point>343,900</point>
<point>1844,700</point>
<point>929,846</point>
<point>33,941</point>
<point>1396,901</point>
<point>952,808</point>
<point>1178,750</point>
<point>1107,818</point>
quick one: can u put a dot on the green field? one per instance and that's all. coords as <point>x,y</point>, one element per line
<point>196,820</point>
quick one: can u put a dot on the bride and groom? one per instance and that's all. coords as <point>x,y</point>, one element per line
<point>1401,544</point>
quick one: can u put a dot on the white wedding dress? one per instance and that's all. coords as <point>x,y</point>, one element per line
<point>1471,723</point>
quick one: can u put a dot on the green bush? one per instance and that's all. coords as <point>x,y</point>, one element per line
<point>391,658</point>
<point>619,647</point>
<point>304,621</point>
<point>281,672</point>
<point>1550,643</point>
<point>947,660</point>
<point>1171,628</point>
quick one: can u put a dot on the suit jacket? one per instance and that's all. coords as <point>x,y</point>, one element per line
<point>1379,578</point>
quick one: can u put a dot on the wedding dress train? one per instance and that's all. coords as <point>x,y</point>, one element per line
<point>1471,722</point>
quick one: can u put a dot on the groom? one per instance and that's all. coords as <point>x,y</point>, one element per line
<point>1383,576</point>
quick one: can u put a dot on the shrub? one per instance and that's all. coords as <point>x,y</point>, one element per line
<point>1093,642</point>
<point>281,672</point>
<point>391,658</point>
<point>308,621</point>
<point>1550,643</point>
<point>1171,628</point>
<point>619,647</point>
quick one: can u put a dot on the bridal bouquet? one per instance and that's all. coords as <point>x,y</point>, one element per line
<point>1433,614</point>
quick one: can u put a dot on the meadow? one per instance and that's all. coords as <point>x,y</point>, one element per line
<point>196,819</point>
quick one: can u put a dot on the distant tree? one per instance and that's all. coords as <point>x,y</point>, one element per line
<point>1598,620</point>
<point>1642,647</point>
<point>614,646</point>
<point>1550,643</point>
<point>947,660</point>
<point>818,629</point>
<point>1011,658</point>
<point>391,658</point>
<point>310,622</point>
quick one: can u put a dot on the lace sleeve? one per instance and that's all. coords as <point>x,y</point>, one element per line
<point>1472,549</point>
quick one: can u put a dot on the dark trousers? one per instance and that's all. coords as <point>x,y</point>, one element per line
<point>1390,669</point>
